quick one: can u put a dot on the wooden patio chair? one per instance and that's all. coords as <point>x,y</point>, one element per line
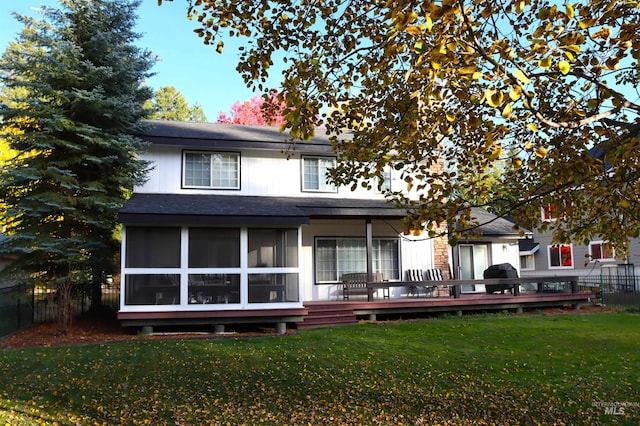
<point>355,284</point>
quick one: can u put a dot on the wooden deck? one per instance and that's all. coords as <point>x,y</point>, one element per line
<point>340,312</point>
<point>542,292</point>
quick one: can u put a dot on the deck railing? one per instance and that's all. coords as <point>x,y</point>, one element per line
<point>614,290</point>
<point>554,284</point>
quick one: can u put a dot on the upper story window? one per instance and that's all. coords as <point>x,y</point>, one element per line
<point>315,174</point>
<point>548,213</point>
<point>386,179</point>
<point>212,170</point>
<point>601,251</point>
<point>560,256</point>
<point>551,212</point>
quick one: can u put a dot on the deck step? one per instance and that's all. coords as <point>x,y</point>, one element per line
<point>322,315</point>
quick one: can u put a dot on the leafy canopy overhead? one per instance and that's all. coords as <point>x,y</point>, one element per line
<point>550,87</point>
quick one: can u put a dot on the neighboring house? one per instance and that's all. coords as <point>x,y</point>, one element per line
<point>228,226</point>
<point>498,243</point>
<point>540,256</point>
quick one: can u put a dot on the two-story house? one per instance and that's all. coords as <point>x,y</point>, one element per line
<point>540,256</point>
<point>228,228</point>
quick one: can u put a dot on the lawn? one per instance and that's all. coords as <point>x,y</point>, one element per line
<point>498,369</point>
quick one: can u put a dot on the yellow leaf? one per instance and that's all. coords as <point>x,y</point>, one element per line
<point>516,163</point>
<point>586,23</point>
<point>569,10</point>
<point>564,67</point>
<point>515,93</point>
<point>476,75</point>
<point>508,109</point>
<point>494,97</point>
<point>220,46</point>
<point>414,30</point>
<point>494,154</point>
<point>520,6</point>
<point>545,63</point>
<point>435,65</point>
<point>451,117</point>
<point>569,55</point>
<point>532,127</point>
<point>429,22</point>
<point>571,47</point>
<point>468,70</point>
<point>541,152</point>
<point>520,76</point>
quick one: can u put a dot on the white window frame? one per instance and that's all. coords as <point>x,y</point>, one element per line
<point>602,259</point>
<point>322,187</point>
<point>376,265</point>
<point>548,208</point>
<point>211,155</point>
<point>559,246</point>
<point>183,271</point>
<point>532,267</point>
<point>387,179</point>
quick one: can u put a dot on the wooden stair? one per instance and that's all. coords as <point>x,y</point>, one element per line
<point>327,314</point>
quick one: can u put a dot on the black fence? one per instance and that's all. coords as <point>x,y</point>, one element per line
<point>22,306</point>
<point>615,290</point>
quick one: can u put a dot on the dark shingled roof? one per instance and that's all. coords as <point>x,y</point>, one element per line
<point>528,245</point>
<point>181,133</point>
<point>216,209</point>
<point>495,226</point>
<point>234,209</point>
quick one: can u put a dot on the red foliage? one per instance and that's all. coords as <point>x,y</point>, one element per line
<point>259,111</point>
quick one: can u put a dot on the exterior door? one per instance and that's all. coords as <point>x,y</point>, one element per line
<point>474,259</point>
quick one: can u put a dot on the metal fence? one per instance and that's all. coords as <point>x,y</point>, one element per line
<point>22,306</point>
<point>621,290</point>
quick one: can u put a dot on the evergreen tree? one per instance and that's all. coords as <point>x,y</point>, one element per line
<point>169,104</point>
<point>72,97</point>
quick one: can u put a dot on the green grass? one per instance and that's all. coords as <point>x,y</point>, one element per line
<point>468,370</point>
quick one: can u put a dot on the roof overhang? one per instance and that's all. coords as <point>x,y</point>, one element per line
<point>204,209</point>
<point>528,247</point>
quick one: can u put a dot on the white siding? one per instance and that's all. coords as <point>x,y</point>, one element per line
<point>263,173</point>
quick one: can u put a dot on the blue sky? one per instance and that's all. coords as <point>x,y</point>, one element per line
<point>196,70</point>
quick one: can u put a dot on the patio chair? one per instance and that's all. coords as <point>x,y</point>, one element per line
<point>421,281</point>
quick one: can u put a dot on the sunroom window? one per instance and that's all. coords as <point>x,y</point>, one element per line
<point>211,170</point>
<point>337,256</point>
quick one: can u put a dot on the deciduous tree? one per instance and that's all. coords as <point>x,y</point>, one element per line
<point>540,84</point>
<point>261,110</point>
<point>170,104</point>
<point>72,97</point>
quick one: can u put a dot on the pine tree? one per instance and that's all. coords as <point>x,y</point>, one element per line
<point>71,100</point>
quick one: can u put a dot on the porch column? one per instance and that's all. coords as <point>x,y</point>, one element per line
<point>369,238</point>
